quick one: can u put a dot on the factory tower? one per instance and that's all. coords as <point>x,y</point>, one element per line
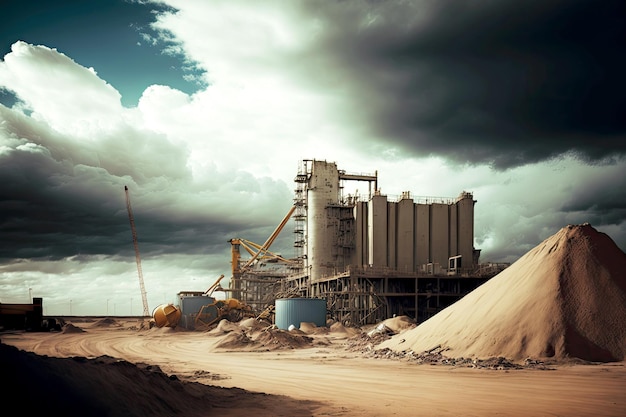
<point>425,234</point>
<point>372,255</point>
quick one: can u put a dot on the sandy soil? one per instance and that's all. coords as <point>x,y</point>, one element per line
<point>320,372</point>
<point>565,298</point>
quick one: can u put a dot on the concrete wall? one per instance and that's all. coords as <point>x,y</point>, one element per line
<point>422,234</point>
<point>465,233</point>
<point>399,235</point>
<point>392,236</point>
<point>377,230</point>
<point>453,246</point>
<point>439,233</point>
<point>405,227</point>
<point>360,226</point>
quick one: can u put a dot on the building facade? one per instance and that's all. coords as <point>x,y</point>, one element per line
<point>426,234</point>
<point>371,256</point>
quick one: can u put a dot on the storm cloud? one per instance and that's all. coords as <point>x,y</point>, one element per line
<point>520,103</point>
<point>499,83</point>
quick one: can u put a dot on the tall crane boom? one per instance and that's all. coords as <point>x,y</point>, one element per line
<point>144,297</point>
<point>257,251</point>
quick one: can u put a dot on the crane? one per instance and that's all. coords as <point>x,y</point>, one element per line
<point>257,251</point>
<point>215,287</point>
<point>144,297</point>
<point>261,250</point>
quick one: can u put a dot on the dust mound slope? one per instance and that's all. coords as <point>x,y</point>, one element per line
<point>105,386</point>
<point>564,299</point>
<point>106,322</point>
<point>70,328</point>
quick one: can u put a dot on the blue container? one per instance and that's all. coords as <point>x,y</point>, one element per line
<point>293,311</point>
<point>191,303</point>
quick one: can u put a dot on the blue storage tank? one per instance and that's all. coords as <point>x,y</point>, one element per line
<point>300,310</point>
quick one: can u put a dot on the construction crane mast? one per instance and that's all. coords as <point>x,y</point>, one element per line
<point>144,297</point>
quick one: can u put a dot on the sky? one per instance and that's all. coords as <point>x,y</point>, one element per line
<point>205,109</point>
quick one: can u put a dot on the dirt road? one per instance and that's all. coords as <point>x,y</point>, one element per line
<point>349,383</point>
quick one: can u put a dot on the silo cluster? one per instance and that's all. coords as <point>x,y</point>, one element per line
<point>412,235</point>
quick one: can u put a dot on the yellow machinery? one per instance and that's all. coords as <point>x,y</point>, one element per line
<point>215,287</point>
<point>211,310</point>
<point>230,309</point>
<point>258,252</point>
<point>166,315</point>
<point>197,310</point>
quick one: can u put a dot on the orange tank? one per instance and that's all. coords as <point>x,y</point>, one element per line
<point>166,315</point>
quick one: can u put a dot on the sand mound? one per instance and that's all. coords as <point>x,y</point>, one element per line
<point>106,322</point>
<point>312,328</point>
<point>280,339</point>
<point>392,326</point>
<point>70,328</point>
<point>250,324</point>
<point>106,386</point>
<point>338,329</point>
<point>566,298</point>
<point>268,339</point>
<point>234,340</point>
<point>225,326</point>
<point>399,324</point>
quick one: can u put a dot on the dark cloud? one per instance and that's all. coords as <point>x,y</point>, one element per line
<point>603,203</point>
<point>62,198</point>
<point>503,83</point>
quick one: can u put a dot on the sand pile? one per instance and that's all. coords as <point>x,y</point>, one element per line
<point>70,328</point>
<point>254,335</point>
<point>106,322</point>
<point>566,298</point>
<point>105,386</point>
<point>234,340</point>
<point>339,330</point>
<point>274,339</point>
<point>399,323</point>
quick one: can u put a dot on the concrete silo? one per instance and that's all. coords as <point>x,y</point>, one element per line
<point>330,239</point>
<point>406,235</point>
<point>322,193</point>
<point>372,256</point>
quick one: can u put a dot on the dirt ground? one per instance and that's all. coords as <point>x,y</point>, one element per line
<point>126,368</point>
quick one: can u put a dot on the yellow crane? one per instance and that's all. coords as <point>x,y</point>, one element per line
<point>215,287</point>
<point>257,251</point>
<point>144,297</point>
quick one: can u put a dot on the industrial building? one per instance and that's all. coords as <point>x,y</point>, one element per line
<point>370,256</point>
<point>27,317</point>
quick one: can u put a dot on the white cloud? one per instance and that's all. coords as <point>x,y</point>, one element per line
<point>70,98</point>
<point>234,39</point>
